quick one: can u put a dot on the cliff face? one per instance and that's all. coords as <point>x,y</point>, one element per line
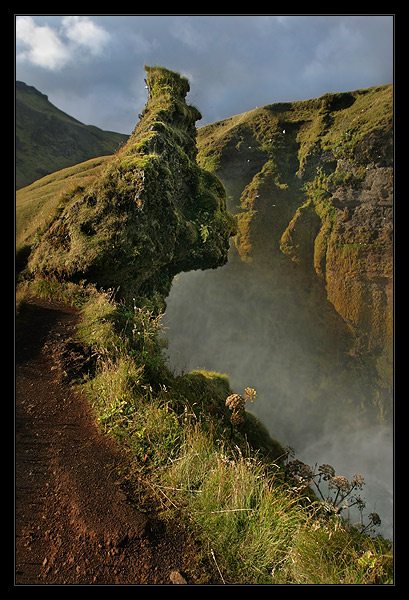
<point>151,214</point>
<point>311,187</point>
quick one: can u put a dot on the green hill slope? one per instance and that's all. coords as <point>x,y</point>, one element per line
<point>48,139</point>
<point>39,203</point>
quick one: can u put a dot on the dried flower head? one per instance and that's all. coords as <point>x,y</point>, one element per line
<point>357,481</point>
<point>360,503</point>
<point>250,394</point>
<point>235,402</point>
<point>326,471</point>
<point>341,483</point>
<point>296,468</point>
<point>375,518</point>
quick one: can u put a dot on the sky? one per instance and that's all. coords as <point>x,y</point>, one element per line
<point>92,66</point>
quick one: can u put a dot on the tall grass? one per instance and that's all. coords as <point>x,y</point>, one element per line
<point>254,526</point>
<point>259,529</point>
<point>246,517</point>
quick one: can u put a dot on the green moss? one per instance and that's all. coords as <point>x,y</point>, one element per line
<point>259,438</point>
<point>161,82</point>
<point>206,386</point>
<point>300,238</point>
<point>136,163</point>
<point>153,212</point>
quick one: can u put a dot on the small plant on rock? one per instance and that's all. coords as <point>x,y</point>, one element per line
<point>236,404</point>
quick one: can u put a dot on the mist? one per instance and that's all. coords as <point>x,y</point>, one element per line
<point>263,332</point>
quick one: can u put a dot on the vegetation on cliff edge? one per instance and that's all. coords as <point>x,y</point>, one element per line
<point>310,184</point>
<point>229,483</point>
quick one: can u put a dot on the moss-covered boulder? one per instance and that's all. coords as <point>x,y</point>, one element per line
<point>151,214</point>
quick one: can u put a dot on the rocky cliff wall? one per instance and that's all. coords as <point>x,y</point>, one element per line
<point>311,187</point>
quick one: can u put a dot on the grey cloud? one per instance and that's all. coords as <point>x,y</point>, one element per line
<point>234,62</point>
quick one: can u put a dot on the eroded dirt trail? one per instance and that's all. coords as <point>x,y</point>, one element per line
<point>73,522</point>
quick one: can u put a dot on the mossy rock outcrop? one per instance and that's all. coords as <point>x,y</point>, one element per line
<point>151,214</point>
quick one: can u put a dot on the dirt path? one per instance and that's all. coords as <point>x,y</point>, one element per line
<point>73,522</point>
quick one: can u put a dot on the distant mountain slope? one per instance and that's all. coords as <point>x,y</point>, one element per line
<point>48,139</point>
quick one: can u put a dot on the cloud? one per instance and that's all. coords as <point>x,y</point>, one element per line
<point>137,43</point>
<point>339,48</point>
<point>233,62</point>
<point>82,31</point>
<point>54,48</point>
<point>184,31</point>
<point>350,52</point>
<point>40,44</point>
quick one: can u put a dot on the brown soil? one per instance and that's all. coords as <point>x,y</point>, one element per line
<point>74,521</point>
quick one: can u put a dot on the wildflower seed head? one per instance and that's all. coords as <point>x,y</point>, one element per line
<point>357,481</point>
<point>235,402</point>
<point>296,468</point>
<point>326,471</point>
<point>250,394</point>
<point>375,518</point>
<point>341,483</point>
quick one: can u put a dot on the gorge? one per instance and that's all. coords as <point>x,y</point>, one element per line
<point>303,310</point>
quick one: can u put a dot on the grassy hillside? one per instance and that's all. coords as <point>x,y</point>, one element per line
<point>38,204</point>
<point>48,139</point>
